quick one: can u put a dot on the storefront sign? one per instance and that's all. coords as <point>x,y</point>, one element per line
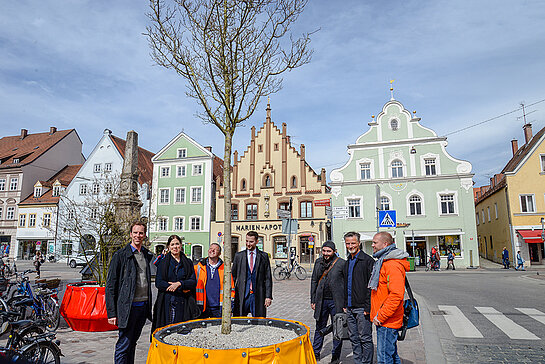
<point>324,202</point>
<point>262,227</point>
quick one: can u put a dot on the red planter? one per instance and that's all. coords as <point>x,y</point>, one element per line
<point>84,307</point>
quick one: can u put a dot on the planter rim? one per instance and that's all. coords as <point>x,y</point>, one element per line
<point>185,327</point>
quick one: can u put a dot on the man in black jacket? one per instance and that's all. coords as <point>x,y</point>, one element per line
<point>327,295</point>
<point>357,305</point>
<point>251,272</point>
<point>128,293</point>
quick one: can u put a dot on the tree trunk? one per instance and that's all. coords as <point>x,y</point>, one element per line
<point>227,255</point>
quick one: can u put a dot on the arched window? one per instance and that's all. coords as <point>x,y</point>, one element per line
<point>267,181</point>
<point>415,205</point>
<point>293,182</point>
<point>243,185</point>
<point>397,169</point>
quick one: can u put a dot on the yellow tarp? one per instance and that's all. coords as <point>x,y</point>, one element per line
<point>298,350</point>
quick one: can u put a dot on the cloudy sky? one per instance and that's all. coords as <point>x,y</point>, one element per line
<point>86,65</point>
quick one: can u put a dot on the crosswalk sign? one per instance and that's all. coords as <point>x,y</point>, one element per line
<point>387,218</point>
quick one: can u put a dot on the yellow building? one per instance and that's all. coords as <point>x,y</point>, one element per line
<point>269,175</point>
<point>510,211</point>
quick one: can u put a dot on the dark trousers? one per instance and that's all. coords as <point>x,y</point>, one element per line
<point>128,337</point>
<point>328,310</point>
<point>249,305</point>
<point>212,312</point>
<point>360,331</point>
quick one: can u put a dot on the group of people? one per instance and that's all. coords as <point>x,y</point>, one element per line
<point>506,262</point>
<point>185,291</point>
<point>370,292</point>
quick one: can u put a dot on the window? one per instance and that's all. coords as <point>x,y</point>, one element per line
<point>37,192</point>
<point>488,210</point>
<point>165,172</point>
<point>243,185</point>
<point>293,182</point>
<point>197,169</point>
<point>429,163</point>
<point>31,220</point>
<point>365,171</point>
<point>1,211</point>
<point>267,181</point>
<point>384,203</point>
<point>163,224</point>
<point>527,203</point>
<point>10,213</point>
<point>415,205</point>
<point>22,220</point>
<point>182,153</point>
<point>275,146</point>
<point>196,194</point>
<point>97,168</point>
<point>70,215</point>
<point>280,247</point>
<point>491,243</point>
<point>66,248</point>
<point>251,211</point>
<point>306,209</point>
<point>107,167</point>
<point>195,223</point>
<point>543,163</point>
<point>354,208</point>
<point>83,189</point>
<point>180,171</point>
<point>178,223</point>
<point>179,195</point>
<point>477,218</point>
<point>2,184</point>
<point>394,124</point>
<point>482,211</point>
<point>234,211</point>
<point>94,213</point>
<point>164,196</point>
<point>397,169</point>
<point>449,242</point>
<point>13,184</point>
<point>108,188</point>
<point>15,160</point>
<point>47,220</point>
<point>56,191</point>
<point>447,204</point>
<point>96,188</point>
<point>260,148</point>
<point>496,209</point>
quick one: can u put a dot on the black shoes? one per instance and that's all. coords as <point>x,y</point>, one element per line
<point>335,360</point>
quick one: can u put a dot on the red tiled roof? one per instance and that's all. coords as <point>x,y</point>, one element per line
<point>217,169</point>
<point>64,176</point>
<point>29,148</point>
<point>145,166</point>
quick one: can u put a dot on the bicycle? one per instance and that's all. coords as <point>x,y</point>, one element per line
<point>282,271</point>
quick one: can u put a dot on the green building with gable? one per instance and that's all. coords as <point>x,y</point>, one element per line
<point>398,164</point>
<point>183,195</point>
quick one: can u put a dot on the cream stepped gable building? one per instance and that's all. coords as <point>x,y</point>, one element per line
<point>269,174</point>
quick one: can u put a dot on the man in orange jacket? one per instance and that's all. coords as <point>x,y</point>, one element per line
<point>387,284</point>
<point>209,273</point>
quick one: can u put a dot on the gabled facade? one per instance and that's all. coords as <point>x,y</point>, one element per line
<point>184,175</point>
<point>25,159</point>
<point>37,226</point>
<point>407,167</point>
<point>269,175</point>
<point>97,177</point>
<point>510,212</point>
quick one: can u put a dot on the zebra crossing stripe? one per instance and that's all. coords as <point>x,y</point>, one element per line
<point>505,324</point>
<point>459,324</point>
<point>533,313</point>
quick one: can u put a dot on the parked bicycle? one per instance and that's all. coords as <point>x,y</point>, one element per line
<point>282,271</point>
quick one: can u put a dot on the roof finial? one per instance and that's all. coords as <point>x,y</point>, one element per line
<point>392,90</point>
<point>268,109</point>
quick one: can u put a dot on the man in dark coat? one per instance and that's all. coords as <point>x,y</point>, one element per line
<point>128,293</point>
<point>327,296</point>
<point>251,272</point>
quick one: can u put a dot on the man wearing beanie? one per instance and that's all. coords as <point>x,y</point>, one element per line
<point>327,295</point>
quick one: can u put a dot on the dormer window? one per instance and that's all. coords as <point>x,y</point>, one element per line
<point>15,160</point>
<point>394,124</point>
<point>56,191</point>
<point>37,191</point>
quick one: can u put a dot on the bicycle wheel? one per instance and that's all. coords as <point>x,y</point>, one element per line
<point>42,352</point>
<point>300,273</point>
<point>26,336</point>
<point>279,273</point>
<point>52,314</point>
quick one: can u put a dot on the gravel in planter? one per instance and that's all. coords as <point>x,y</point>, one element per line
<point>242,336</point>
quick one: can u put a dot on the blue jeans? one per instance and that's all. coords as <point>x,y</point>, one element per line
<point>360,331</point>
<point>328,310</point>
<point>249,305</point>
<point>387,346</point>
<point>128,337</point>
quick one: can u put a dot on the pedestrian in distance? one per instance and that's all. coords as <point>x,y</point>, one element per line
<point>505,258</point>
<point>251,272</point>
<point>357,303</point>
<point>38,261</point>
<point>450,260</point>
<point>209,273</point>
<point>128,293</point>
<point>175,282</point>
<point>387,286</point>
<point>520,262</point>
<point>327,296</point>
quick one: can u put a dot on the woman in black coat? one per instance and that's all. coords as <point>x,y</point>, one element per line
<point>175,282</point>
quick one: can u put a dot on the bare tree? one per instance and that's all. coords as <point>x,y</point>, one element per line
<point>231,52</point>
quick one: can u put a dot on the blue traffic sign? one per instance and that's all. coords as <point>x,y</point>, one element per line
<point>387,218</point>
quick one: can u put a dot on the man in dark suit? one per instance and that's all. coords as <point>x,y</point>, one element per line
<point>251,272</point>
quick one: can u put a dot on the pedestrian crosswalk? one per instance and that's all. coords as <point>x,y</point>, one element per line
<point>462,327</point>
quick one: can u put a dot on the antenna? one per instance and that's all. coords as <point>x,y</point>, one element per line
<point>524,113</point>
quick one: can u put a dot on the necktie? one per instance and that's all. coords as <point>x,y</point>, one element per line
<point>251,268</point>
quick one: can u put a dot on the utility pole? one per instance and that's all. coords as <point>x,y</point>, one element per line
<point>377,191</point>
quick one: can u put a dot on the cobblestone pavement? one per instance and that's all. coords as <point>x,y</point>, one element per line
<point>471,353</point>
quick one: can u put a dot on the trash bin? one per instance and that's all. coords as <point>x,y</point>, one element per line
<point>411,262</point>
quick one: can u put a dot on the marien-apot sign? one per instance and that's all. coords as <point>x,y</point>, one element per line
<point>259,227</point>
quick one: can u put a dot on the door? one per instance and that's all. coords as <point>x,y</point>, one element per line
<point>304,249</point>
<point>535,252</point>
<point>417,249</point>
<point>234,245</point>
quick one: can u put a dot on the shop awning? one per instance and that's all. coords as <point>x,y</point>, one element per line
<point>530,236</point>
<point>409,233</point>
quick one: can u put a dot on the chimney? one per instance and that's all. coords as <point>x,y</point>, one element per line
<point>208,148</point>
<point>303,151</point>
<point>514,146</point>
<point>492,180</point>
<point>24,133</point>
<point>527,132</point>
<point>52,130</point>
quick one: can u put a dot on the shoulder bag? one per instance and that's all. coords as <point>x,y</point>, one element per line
<point>411,317</point>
